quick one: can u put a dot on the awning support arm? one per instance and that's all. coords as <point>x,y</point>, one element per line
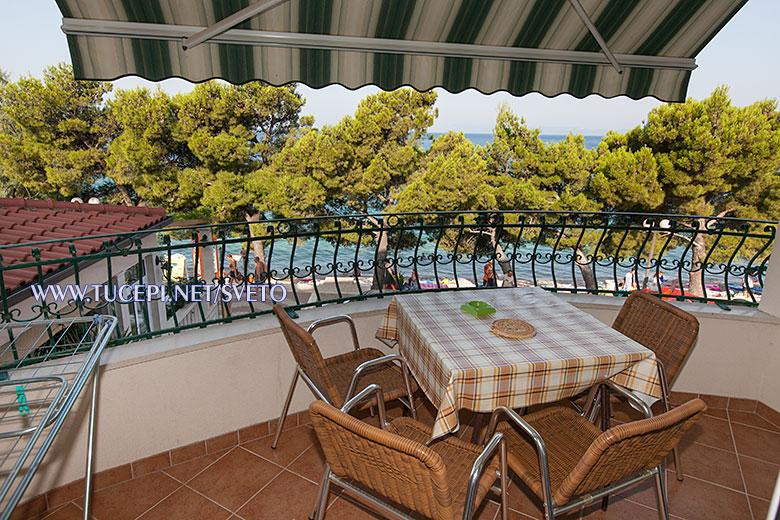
<point>153,31</point>
<point>229,22</point>
<point>596,34</point>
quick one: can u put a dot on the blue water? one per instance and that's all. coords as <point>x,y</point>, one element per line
<point>591,141</point>
<point>305,257</point>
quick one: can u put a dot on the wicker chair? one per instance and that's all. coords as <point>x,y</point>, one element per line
<point>334,379</point>
<point>443,481</point>
<point>666,330</point>
<point>568,462</point>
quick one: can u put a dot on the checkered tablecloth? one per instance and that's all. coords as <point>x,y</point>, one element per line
<point>460,364</point>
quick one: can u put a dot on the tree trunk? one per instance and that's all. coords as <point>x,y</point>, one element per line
<point>123,191</point>
<point>257,245</point>
<point>698,253</point>
<point>381,254</point>
<point>585,269</point>
<point>502,259</point>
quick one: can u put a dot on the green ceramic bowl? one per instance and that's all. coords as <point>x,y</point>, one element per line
<point>477,308</point>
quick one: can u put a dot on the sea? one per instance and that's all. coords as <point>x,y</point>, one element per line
<point>591,141</point>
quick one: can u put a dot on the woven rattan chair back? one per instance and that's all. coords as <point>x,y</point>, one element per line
<point>402,470</point>
<point>660,326</point>
<point>627,449</point>
<point>307,354</point>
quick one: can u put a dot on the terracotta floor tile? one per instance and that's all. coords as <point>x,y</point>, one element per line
<point>522,500</point>
<point>514,515</point>
<point>291,445</point>
<point>288,496</point>
<point>310,464</point>
<point>304,418</point>
<point>112,476</point>
<point>747,405</point>
<point>188,452</point>
<point>29,508</point>
<point>186,470</point>
<point>133,497</point>
<point>752,419</point>
<point>185,504</point>
<point>694,499</point>
<point>66,512</point>
<point>151,464</point>
<point>289,423</point>
<point>678,398</point>
<point>710,464</point>
<point>250,433</point>
<point>715,401</point>
<point>712,432</point>
<point>619,508</point>
<point>221,442</point>
<point>720,414</point>
<point>234,478</point>
<point>426,412</point>
<point>622,411</point>
<point>760,477</point>
<point>65,494</point>
<point>760,508</point>
<point>770,414</point>
<point>349,509</point>
<point>757,443</point>
<point>642,493</point>
<point>466,431</point>
<point>487,510</point>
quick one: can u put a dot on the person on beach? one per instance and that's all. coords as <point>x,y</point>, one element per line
<point>628,282</point>
<point>489,278</point>
<point>509,279</point>
<point>260,273</point>
<point>391,277</point>
<point>233,270</point>
<point>412,284</point>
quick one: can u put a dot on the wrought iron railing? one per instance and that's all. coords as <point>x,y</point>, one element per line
<point>334,259</point>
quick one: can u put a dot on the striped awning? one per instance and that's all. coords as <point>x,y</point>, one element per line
<point>635,48</point>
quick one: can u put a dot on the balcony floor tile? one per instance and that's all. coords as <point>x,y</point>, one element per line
<point>726,476</point>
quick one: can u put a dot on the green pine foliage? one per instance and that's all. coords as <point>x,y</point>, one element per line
<point>235,153</point>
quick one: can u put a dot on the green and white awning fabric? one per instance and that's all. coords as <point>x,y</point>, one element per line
<point>635,48</point>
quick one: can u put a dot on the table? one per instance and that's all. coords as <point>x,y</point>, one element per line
<point>460,364</point>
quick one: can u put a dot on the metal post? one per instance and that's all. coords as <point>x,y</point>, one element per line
<point>91,442</point>
<point>663,510</point>
<point>285,409</point>
<point>322,499</point>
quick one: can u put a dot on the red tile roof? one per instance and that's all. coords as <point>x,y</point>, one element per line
<point>23,221</point>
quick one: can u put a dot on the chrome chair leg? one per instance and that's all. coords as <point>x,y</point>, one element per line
<point>668,406</point>
<point>663,510</point>
<point>321,500</point>
<point>408,385</point>
<point>677,464</point>
<point>285,409</point>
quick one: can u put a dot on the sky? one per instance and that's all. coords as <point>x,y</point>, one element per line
<point>742,56</point>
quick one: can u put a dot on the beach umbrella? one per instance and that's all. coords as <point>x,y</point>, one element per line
<point>635,48</point>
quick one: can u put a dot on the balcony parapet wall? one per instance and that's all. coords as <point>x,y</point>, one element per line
<point>167,392</point>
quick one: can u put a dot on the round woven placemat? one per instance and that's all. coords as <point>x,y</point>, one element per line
<point>513,329</point>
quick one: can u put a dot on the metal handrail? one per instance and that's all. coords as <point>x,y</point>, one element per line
<point>334,259</point>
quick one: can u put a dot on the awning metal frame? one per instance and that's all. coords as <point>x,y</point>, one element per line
<point>229,22</point>
<point>238,17</point>
<point>169,32</point>
<point>596,34</point>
